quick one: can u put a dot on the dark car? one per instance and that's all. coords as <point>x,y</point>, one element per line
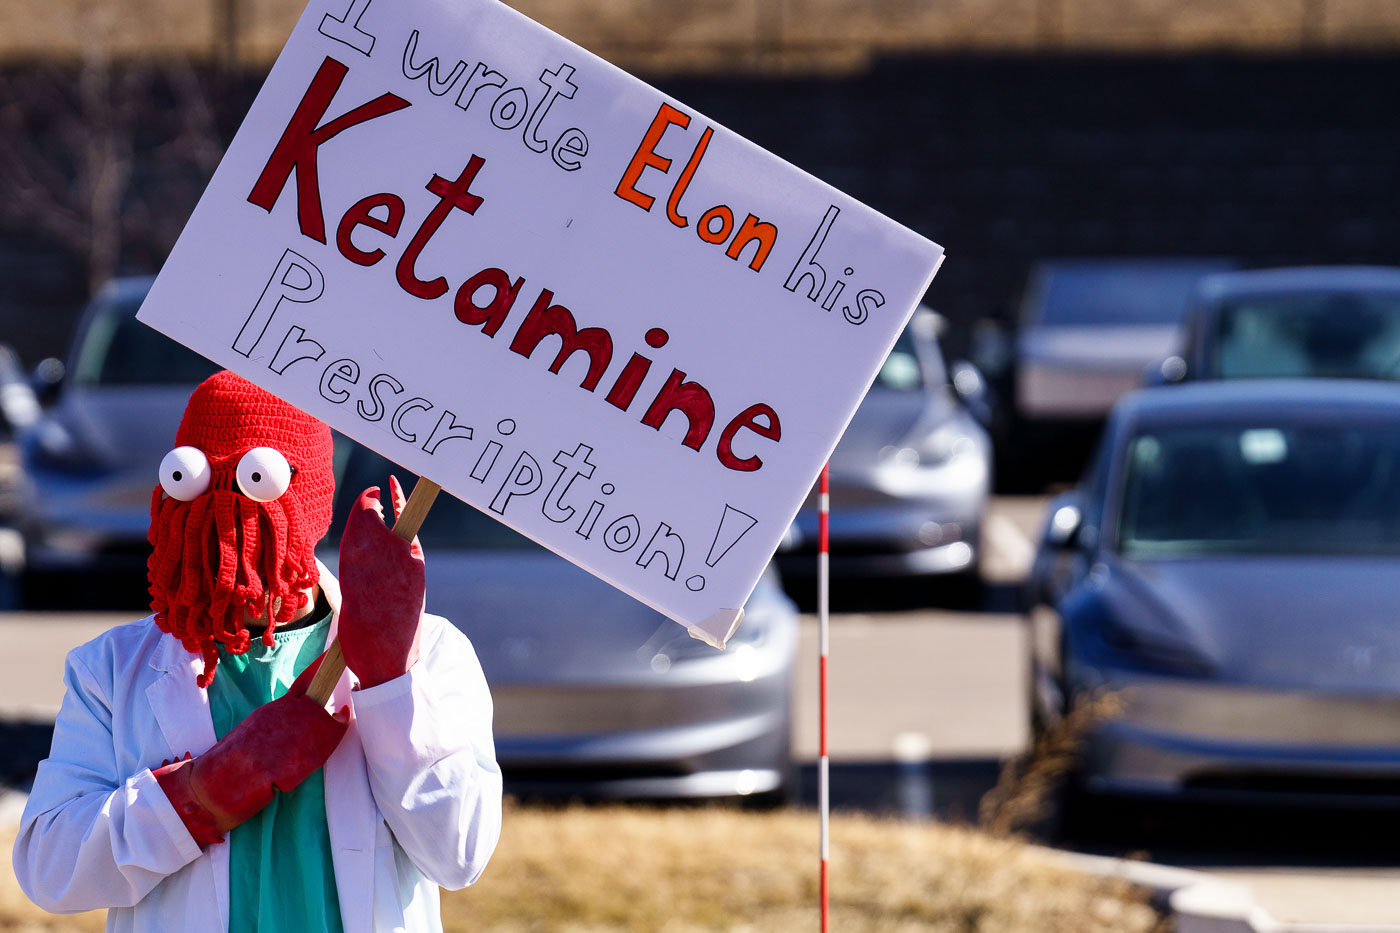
<point>1230,567</point>
<point>90,461</point>
<point>1337,322</point>
<point>1087,329</point>
<point>595,694</point>
<point>910,477</point>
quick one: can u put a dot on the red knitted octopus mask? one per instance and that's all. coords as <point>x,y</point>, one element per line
<point>242,500</point>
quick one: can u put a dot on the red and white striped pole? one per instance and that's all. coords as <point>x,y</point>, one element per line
<point>823,622</point>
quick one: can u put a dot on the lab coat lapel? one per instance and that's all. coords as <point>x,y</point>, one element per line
<point>181,710</point>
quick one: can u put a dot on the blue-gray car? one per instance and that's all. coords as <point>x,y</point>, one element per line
<point>1318,322</point>
<point>1230,568</point>
<point>89,461</point>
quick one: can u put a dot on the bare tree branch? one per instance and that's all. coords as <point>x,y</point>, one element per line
<point>72,141</point>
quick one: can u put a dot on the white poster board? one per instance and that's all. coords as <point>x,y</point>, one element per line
<point>573,302</point>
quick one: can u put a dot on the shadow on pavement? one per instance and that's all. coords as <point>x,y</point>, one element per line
<point>905,595</point>
<point>23,744</point>
<point>1235,834</point>
<point>948,789</point>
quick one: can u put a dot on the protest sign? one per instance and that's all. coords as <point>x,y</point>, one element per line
<point>570,300</point>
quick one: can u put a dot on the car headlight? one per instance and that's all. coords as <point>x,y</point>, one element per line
<point>1152,648</point>
<point>1135,635</point>
<point>946,445</point>
<point>672,644</point>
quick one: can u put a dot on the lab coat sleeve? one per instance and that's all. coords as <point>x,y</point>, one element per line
<point>91,837</point>
<point>431,758</point>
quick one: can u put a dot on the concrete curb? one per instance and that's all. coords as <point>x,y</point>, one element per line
<point>1199,902</point>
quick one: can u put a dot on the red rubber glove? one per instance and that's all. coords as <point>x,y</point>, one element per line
<point>275,748</point>
<point>382,585</point>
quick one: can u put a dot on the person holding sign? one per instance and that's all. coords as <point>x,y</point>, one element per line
<point>192,783</point>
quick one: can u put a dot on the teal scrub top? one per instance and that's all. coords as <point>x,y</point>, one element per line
<point>281,878</point>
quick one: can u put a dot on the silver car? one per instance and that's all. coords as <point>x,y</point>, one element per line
<point>910,477</point>
<point>596,695</point>
<point>89,461</point>
<point>1229,568</point>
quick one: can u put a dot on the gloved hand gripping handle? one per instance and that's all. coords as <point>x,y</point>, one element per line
<point>275,748</point>
<point>406,526</point>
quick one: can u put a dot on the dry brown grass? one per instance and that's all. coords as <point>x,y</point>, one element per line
<point>1027,786</point>
<point>593,869</point>
<point>585,869</point>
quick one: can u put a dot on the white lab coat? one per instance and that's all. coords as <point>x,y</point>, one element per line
<point>413,792</point>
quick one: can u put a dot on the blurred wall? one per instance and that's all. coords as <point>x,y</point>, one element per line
<point>687,35</point>
<point>1011,159</point>
<point>1030,128</point>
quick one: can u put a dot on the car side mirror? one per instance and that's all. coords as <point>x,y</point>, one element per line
<point>1065,526</point>
<point>971,388</point>
<point>46,378</point>
<point>1167,371</point>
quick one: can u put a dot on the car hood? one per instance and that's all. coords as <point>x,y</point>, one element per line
<point>125,427</point>
<point>1116,347</point>
<point>533,617</point>
<point>889,418</point>
<point>1286,621</point>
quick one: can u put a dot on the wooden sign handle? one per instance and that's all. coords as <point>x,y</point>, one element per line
<point>407,525</point>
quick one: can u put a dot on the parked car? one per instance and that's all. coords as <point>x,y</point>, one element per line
<point>595,694</point>
<point>1230,567</point>
<point>1340,322</point>
<point>909,479</point>
<point>1087,329</point>
<point>89,461</point>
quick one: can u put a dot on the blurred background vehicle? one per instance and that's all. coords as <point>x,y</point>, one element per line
<point>1087,328</point>
<point>596,695</point>
<point>19,405</point>
<point>909,479</point>
<point>90,460</point>
<point>1339,322</point>
<point>19,408</point>
<point>1229,567</point>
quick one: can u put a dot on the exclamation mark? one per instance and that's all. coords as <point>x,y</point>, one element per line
<point>733,525</point>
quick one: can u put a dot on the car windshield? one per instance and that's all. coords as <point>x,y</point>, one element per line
<point>1353,335</point>
<point>117,349</point>
<point>902,370</point>
<point>1116,295</point>
<point>451,524</point>
<point>1262,489</point>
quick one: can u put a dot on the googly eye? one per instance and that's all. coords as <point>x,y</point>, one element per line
<point>184,473</point>
<point>263,474</point>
